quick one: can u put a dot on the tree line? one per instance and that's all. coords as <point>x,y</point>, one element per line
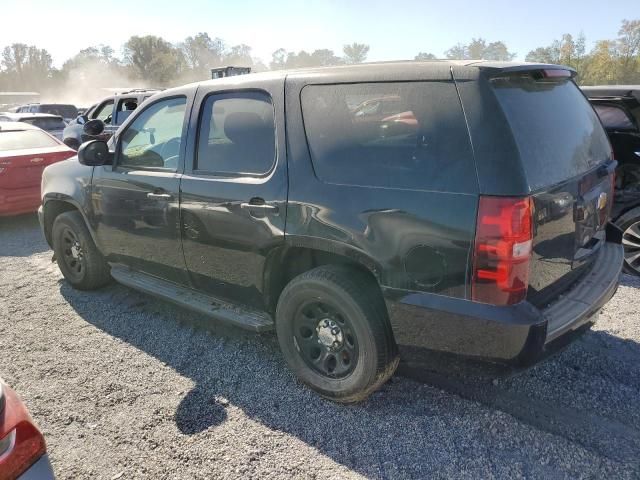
<point>154,61</point>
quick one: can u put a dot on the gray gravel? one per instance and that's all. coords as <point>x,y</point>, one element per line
<point>125,386</point>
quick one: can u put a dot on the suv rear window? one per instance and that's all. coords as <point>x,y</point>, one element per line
<point>558,134</point>
<point>407,135</point>
<point>65,111</point>
<point>24,139</point>
<point>46,123</point>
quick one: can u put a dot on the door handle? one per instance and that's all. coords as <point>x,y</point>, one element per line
<point>159,196</point>
<point>252,206</point>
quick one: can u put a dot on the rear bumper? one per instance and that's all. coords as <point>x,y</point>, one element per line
<point>518,332</point>
<point>20,200</point>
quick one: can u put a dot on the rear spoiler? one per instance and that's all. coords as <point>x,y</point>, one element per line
<point>551,70</point>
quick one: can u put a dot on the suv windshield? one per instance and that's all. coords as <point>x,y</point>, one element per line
<point>558,134</point>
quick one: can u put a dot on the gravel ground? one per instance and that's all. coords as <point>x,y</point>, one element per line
<point>125,386</point>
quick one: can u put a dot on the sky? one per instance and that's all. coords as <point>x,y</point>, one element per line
<point>394,29</point>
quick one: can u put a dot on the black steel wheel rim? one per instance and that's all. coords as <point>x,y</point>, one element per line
<point>72,253</point>
<point>631,244</point>
<point>325,339</point>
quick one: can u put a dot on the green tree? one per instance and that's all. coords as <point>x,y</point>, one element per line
<point>26,67</point>
<point>425,56</point>
<point>355,52</point>
<point>602,66</point>
<point>238,56</point>
<point>478,49</point>
<point>628,47</point>
<point>202,53</point>
<point>153,59</point>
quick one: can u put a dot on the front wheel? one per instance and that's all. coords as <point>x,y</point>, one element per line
<point>79,260</point>
<point>334,333</point>
<point>629,223</point>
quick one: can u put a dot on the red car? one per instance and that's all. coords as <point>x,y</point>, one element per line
<point>23,452</point>
<point>25,150</point>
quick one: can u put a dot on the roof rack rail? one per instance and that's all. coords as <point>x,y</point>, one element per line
<point>229,71</point>
<point>140,90</point>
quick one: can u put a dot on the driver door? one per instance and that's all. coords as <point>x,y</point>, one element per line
<point>135,201</point>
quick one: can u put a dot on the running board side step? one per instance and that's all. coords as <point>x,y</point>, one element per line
<point>195,301</point>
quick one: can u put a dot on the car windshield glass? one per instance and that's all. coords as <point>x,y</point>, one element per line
<point>24,139</point>
<point>558,134</point>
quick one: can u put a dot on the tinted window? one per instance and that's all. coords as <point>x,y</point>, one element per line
<point>613,117</point>
<point>397,135</point>
<point>65,111</point>
<point>236,134</point>
<point>17,140</point>
<point>154,138</point>
<point>125,108</point>
<point>557,132</point>
<point>45,123</point>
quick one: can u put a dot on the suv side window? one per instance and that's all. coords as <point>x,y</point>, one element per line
<point>104,112</point>
<point>154,137</point>
<point>236,135</point>
<point>416,138</point>
<point>126,106</point>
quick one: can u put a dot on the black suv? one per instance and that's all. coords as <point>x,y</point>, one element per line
<point>619,110</point>
<point>112,111</point>
<point>454,206</point>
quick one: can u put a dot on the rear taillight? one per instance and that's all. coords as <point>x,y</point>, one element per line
<point>503,245</point>
<point>23,446</point>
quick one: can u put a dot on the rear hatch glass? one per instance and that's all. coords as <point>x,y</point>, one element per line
<point>566,158</point>
<point>46,123</point>
<point>65,111</point>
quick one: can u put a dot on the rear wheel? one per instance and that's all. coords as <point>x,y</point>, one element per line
<point>334,332</point>
<point>629,223</point>
<point>79,260</point>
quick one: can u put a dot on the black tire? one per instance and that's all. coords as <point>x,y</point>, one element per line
<point>79,260</point>
<point>364,352</point>
<point>629,223</point>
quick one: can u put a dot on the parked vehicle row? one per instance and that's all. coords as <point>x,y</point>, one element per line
<point>455,206</point>
<point>619,110</point>
<point>112,111</point>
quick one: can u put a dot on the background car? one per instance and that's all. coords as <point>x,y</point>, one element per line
<point>619,110</point>
<point>53,124</point>
<point>23,451</point>
<point>25,150</point>
<point>66,111</point>
<point>112,111</point>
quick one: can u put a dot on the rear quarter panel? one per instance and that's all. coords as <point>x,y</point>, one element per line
<point>411,240</point>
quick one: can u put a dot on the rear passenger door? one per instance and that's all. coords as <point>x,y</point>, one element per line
<point>234,190</point>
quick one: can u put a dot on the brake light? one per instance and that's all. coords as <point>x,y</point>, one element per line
<point>556,73</point>
<point>503,245</point>
<point>23,446</point>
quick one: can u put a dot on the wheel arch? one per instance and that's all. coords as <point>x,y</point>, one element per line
<point>300,255</point>
<point>55,205</point>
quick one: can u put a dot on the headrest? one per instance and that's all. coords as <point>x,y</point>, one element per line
<point>241,127</point>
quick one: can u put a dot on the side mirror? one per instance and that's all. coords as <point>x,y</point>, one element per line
<point>94,153</point>
<point>93,127</point>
